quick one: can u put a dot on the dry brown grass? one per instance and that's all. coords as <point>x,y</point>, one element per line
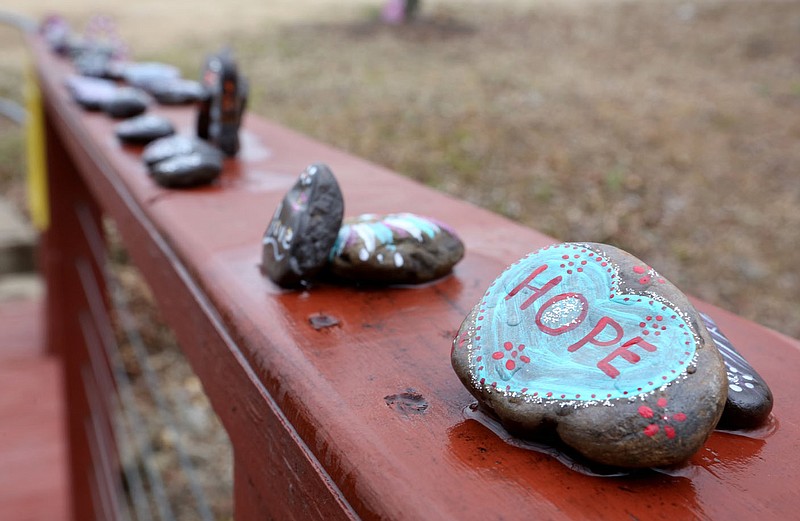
<point>670,130</point>
<point>667,128</point>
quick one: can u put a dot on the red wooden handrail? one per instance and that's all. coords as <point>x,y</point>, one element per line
<point>313,436</point>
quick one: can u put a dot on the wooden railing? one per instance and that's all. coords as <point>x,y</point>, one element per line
<point>313,433</point>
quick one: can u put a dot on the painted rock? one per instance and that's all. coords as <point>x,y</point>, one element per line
<point>187,170</point>
<point>588,341</point>
<point>177,145</point>
<point>126,102</point>
<point>400,248</point>
<point>143,129</point>
<point>749,397</point>
<point>303,229</point>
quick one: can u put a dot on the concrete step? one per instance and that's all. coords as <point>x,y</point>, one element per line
<point>17,241</point>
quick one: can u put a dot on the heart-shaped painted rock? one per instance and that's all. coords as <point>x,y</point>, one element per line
<point>749,397</point>
<point>401,248</point>
<point>303,228</point>
<point>589,341</point>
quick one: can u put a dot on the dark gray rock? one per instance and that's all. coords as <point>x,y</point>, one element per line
<point>145,74</point>
<point>94,62</point>
<point>177,91</point>
<point>178,145</point>
<point>401,248</point>
<point>91,93</point>
<point>126,102</point>
<point>187,170</point>
<point>143,129</point>
<point>588,342</point>
<point>303,229</point>
<point>750,401</point>
<point>223,104</point>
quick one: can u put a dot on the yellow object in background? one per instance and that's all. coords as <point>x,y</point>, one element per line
<point>35,150</point>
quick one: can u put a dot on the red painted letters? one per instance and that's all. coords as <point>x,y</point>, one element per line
<point>593,337</point>
<point>537,292</point>
<point>623,351</point>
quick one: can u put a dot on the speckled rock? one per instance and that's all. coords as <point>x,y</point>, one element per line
<point>303,229</point>
<point>144,129</point>
<point>187,170</point>
<point>589,342</point>
<point>126,102</point>
<point>750,401</point>
<point>401,248</point>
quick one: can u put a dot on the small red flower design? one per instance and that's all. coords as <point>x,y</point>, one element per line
<point>660,418</point>
<point>646,274</point>
<point>459,341</point>
<point>512,355</point>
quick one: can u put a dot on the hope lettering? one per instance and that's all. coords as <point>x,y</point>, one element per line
<point>604,324</point>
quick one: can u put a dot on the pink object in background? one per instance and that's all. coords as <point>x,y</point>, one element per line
<point>393,12</point>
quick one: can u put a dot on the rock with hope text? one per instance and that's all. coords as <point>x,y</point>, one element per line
<point>590,342</point>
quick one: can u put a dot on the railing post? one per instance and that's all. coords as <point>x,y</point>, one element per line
<point>65,248</point>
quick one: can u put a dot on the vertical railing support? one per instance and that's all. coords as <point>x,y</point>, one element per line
<point>64,248</point>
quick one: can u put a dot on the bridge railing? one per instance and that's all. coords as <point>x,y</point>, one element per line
<point>307,410</point>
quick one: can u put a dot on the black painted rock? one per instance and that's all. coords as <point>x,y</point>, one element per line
<point>223,103</point>
<point>126,102</point>
<point>749,397</point>
<point>401,248</point>
<point>143,129</point>
<point>91,93</point>
<point>177,91</point>
<point>187,170</point>
<point>303,229</point>
<point>587,341</point>
<point>177,145</point>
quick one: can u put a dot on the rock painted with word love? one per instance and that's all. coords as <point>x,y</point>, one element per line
<point>303,228</point>
<point>588,341</point>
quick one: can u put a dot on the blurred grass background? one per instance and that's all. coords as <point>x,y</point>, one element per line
<point>670,129</point>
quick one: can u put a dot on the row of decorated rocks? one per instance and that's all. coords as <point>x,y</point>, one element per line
<point>583,340</point>
<point>580,339</point>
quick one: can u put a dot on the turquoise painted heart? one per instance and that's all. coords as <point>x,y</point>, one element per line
<point>558,325</point>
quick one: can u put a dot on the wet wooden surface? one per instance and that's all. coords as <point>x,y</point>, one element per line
<point>306,409</point>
